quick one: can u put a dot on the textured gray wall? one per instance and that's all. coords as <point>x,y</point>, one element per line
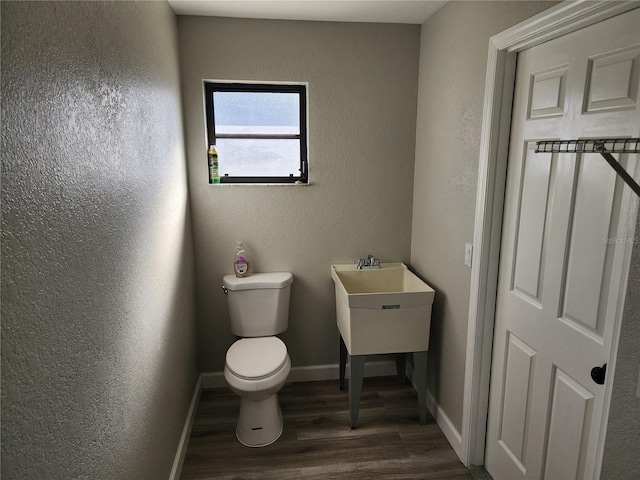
<point>362,110</point>
<point>622,445</point>
<point>453,65</point>
<point>98,343</point>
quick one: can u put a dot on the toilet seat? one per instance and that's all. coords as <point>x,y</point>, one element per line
<point>256,358</point>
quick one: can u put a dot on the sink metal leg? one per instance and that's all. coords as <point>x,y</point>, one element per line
<point>401,365</point>
<point>420,365</point>
<point>356,372</point>
<point>343,362</point>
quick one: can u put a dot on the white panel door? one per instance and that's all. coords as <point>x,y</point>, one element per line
<point>565,244</point>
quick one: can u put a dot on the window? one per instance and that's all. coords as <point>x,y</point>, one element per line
<point>259,130</point>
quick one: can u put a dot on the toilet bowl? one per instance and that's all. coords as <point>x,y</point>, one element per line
<point>255,370</point>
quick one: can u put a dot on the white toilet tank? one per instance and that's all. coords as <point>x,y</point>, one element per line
<point>259,304</point>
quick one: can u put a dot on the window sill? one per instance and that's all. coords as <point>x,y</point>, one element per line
<point>261,184</point>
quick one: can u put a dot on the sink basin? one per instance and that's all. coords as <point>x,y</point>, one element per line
<point>386,310</point>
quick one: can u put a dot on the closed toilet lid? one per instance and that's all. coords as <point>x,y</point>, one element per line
<point>256,358</point>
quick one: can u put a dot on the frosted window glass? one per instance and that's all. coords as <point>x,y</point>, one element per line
<point>257,112</point>
<point>259,157</point>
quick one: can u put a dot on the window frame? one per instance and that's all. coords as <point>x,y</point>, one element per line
<point>301,89</point>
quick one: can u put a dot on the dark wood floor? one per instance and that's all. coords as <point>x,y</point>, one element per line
<point>317,442</point>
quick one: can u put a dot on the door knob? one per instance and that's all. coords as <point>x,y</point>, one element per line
<point>598,374</point>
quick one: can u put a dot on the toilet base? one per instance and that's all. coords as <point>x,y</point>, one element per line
<point>260,422</point>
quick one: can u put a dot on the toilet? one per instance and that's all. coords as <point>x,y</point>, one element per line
<point>257,365</point>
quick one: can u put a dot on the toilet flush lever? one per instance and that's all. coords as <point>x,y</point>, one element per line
<point>225,290</point>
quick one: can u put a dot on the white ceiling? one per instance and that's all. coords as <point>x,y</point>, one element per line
<point>376,11</point>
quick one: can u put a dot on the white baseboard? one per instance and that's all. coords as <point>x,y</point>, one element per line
<point>442,419</point>
<point>312,373</point>
<point>181,452</point>
<point>446,425</point>
<point>380,368</point>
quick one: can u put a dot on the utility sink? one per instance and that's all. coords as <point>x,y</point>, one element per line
<point>385,310</point>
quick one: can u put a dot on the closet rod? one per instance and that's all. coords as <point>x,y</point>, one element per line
<point>604,147</point>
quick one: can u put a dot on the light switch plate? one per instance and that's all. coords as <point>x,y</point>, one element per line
<point>468,254</point>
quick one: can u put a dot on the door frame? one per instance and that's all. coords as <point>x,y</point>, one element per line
<point>554,22</point>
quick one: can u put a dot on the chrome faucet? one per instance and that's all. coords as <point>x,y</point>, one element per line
<point>370,263</point>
